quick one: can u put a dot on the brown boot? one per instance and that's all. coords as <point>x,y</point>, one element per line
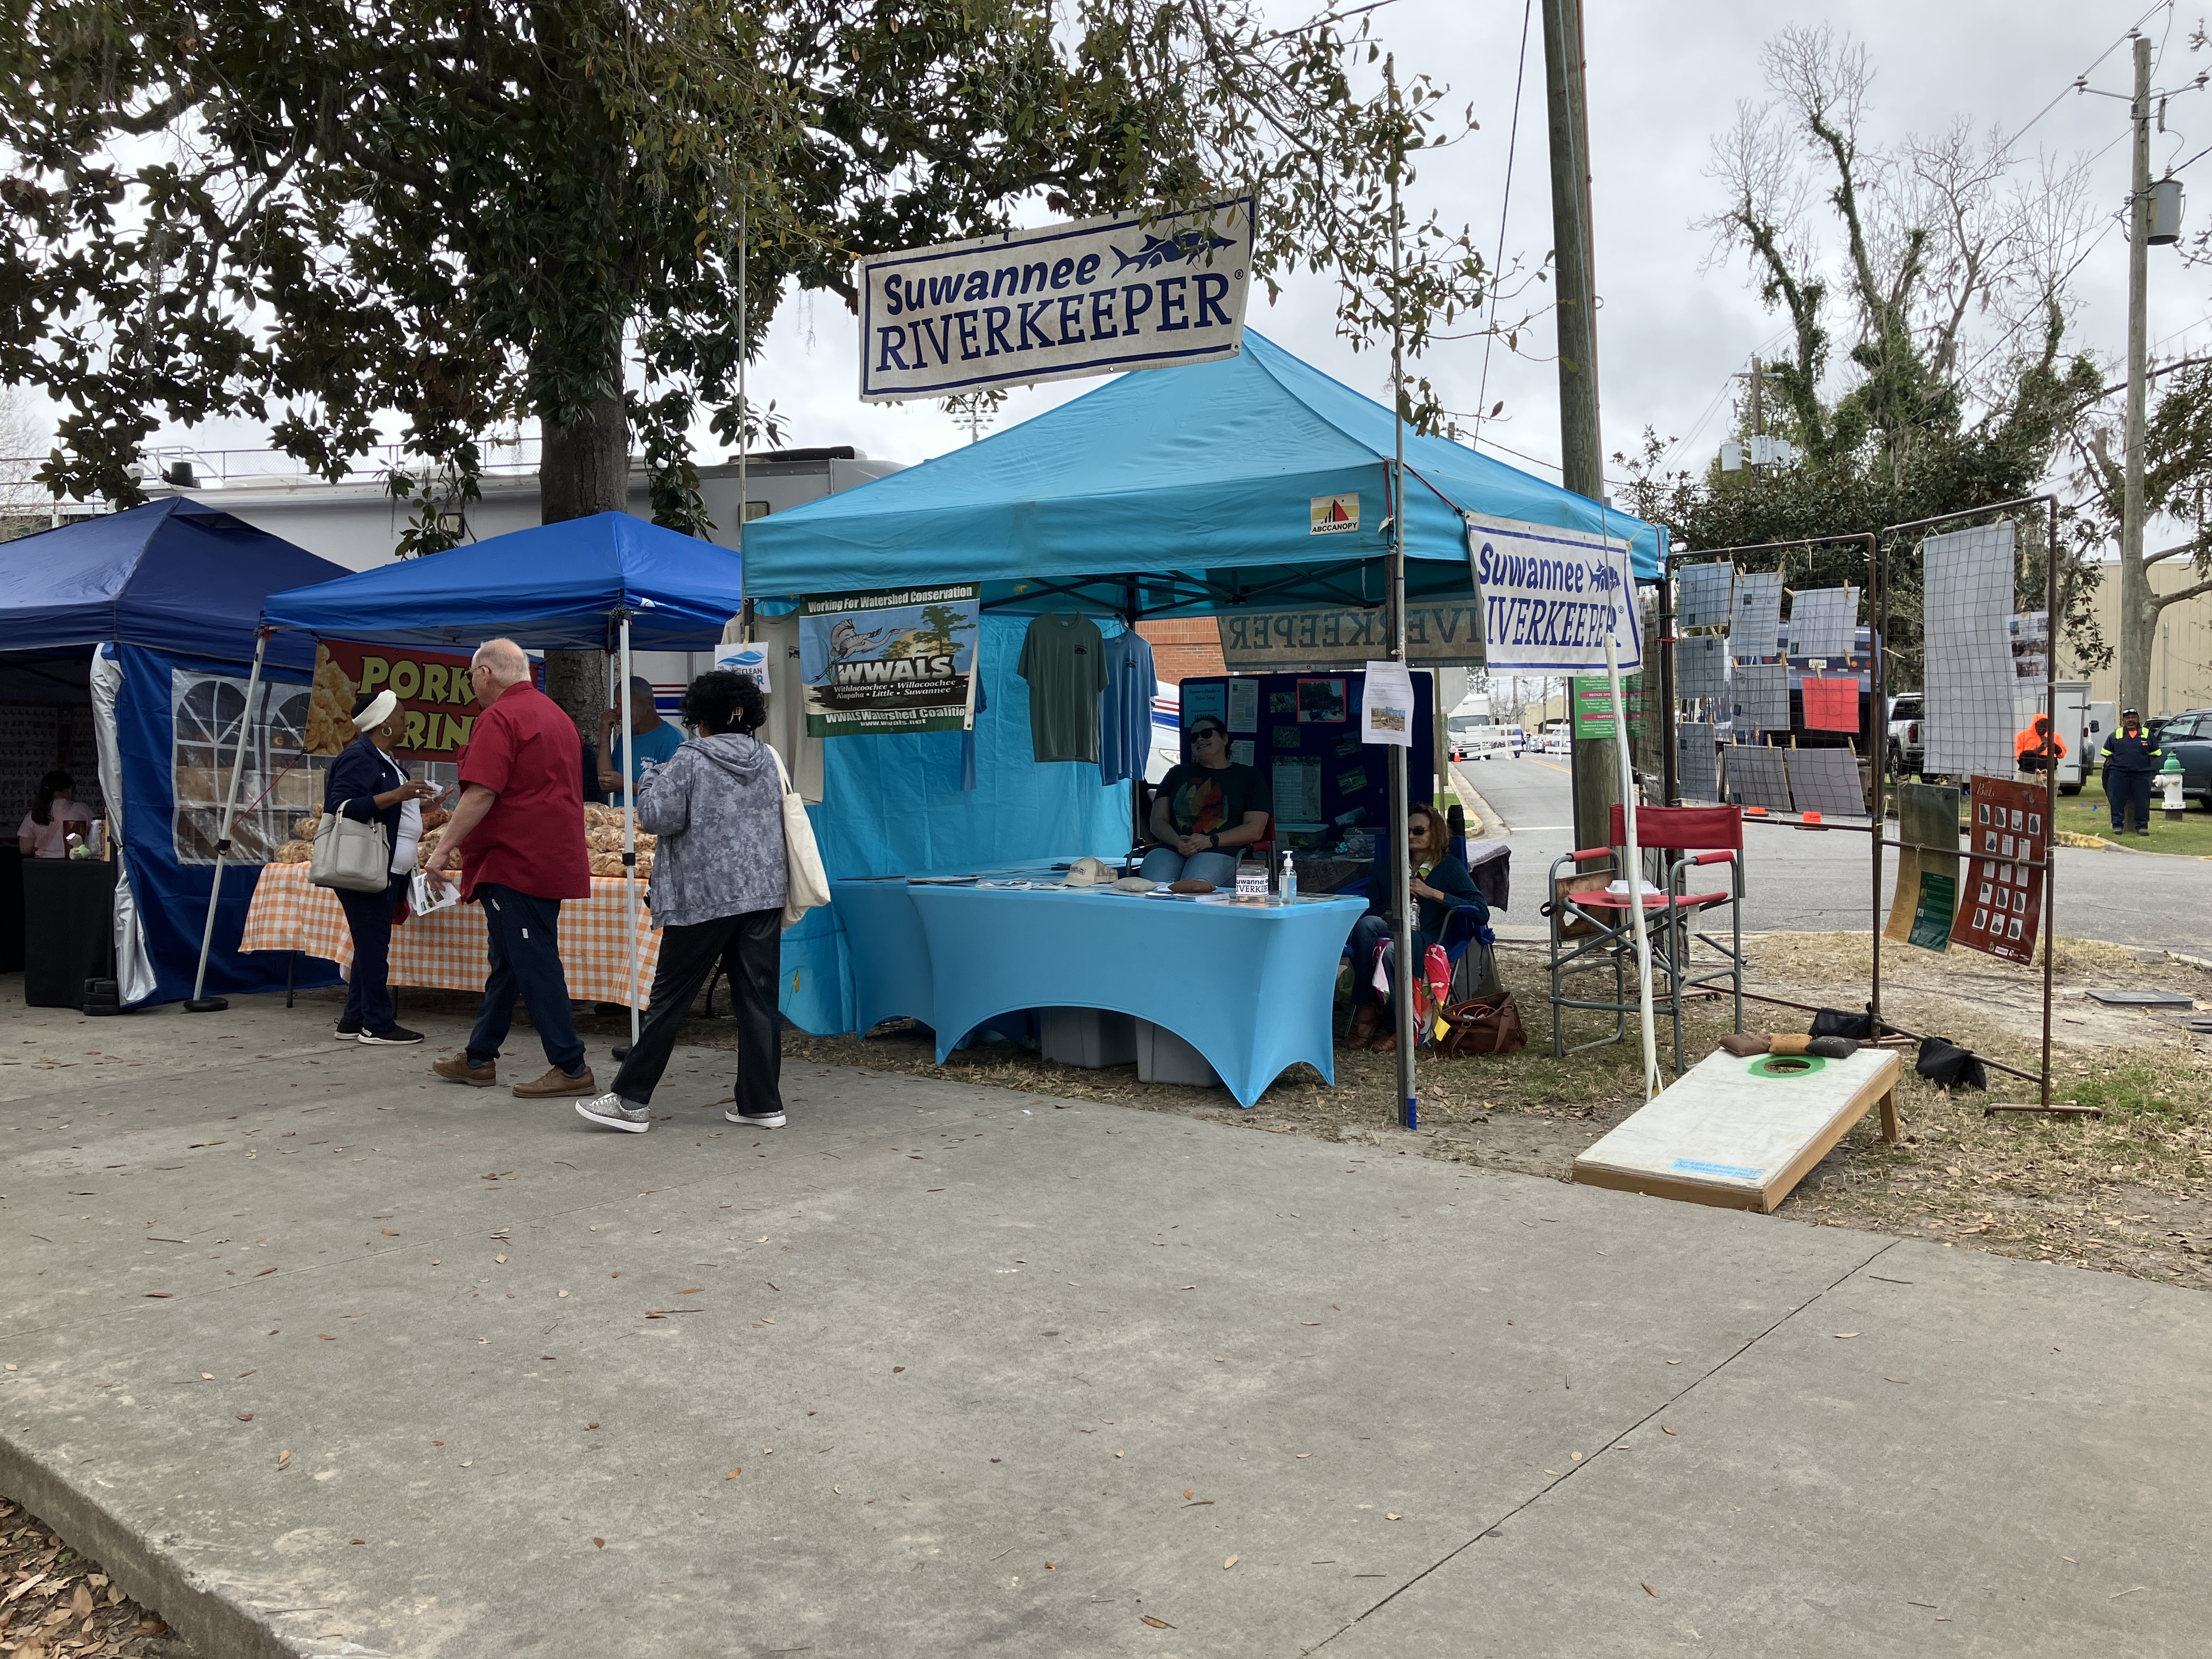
<point>1361,1031</point>
<point>1385,1044</point>
<point>456,1068</point>
<point>556,1082</point>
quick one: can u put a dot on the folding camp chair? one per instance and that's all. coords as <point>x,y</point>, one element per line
<point>1591,929</point>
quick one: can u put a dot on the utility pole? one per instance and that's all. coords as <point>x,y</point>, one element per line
<point>1596,767</point>
<point>2135,580</point>
<point>1758,403</point>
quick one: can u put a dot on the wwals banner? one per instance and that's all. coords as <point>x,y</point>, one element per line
<point>890,662</point>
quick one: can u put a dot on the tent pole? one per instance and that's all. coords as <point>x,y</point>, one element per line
<point>630,834</point>
<point>744,351</point>
<point>1632,852</point>
<point>1401,874</point>
<point>199,1002</point>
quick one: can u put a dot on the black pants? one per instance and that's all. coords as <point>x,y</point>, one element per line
<point>750,948</point>
<point>523,933</point>
<point>2127,789</point>
<point>368,983</point>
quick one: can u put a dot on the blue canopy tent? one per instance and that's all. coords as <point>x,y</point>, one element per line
<point>157,602</point>
<point>1173,492</point>
<point>607,582</point>
<point>1170,492</point>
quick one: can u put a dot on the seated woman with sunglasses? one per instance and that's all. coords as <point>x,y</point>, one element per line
<point>1441,884</point>
<point>1208,812</point>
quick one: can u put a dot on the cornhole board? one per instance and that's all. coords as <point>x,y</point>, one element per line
<point>1740,1133</point>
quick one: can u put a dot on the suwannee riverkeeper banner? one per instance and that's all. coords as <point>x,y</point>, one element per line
<point>1095,296</point>
<point>1549,596</point>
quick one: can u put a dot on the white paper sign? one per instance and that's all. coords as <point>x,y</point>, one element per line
<point>1243,705</point>
<point>1548,596</point>
<point>1091,297</point>
<point>750,660</point>
<point>1386,709</point>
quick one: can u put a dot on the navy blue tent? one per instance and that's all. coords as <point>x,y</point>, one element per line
<point>159,602</point>
<point>551,588</point>
<point>173,575</point>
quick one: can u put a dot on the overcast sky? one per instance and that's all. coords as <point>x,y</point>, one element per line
<point>1663,78</point>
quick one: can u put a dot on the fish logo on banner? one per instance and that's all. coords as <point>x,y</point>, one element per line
<point>1095,296</point>
<point>1549,597</point>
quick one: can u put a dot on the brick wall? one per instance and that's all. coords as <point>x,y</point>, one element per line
<point>1184,645</point>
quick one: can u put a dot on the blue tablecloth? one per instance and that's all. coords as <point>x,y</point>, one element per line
<point>1249,988</point>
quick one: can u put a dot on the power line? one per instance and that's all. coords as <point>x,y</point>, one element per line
<point>1512,147</point>
<point>2005,149</point>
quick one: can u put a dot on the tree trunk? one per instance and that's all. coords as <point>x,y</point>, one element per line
<point>2138,618</point>
<point>583,469</point>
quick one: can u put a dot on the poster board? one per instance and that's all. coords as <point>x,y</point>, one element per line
<point>2000,906</point>
<point>1927,867</point>
<point>1308,746</point>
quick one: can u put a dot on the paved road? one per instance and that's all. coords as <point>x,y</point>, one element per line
<point>1803,879</point>
<point>322,1357</point>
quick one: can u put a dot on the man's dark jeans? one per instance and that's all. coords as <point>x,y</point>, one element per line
<point>750,948</point>
<point>524,934</point>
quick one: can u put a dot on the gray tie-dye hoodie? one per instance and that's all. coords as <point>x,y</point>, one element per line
<point>717,807</point>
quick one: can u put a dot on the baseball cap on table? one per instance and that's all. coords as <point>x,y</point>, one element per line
<point>1088,872</point>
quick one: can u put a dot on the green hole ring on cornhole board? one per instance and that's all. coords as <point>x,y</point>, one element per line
<point>1787,1066</point>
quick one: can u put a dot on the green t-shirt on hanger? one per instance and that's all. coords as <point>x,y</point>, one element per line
<point>1064,660</point>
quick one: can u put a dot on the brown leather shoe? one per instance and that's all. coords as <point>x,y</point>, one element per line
<point>557,1082</point>
<point>1361,1031</point>
<point>1385,1044</point>
<point>455,1068</point>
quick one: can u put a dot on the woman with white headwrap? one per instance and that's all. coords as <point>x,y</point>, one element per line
<point>365,783</point>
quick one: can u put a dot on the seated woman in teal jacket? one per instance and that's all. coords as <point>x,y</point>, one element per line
<point>1441,885</point>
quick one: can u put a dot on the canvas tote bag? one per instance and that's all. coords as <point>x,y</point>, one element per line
<point>351,855</point>
<point>806,885</point>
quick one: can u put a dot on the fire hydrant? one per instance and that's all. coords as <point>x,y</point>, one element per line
<point>2169,783</point>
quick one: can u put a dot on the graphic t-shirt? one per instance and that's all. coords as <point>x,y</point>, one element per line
<point>1064,660</point>
<point>627,751</point>
<point>1206,801</point>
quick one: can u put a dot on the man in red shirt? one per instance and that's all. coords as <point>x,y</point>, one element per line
<point>518,835</point>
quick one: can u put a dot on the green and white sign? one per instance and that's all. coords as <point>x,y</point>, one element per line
<point>890,662</point>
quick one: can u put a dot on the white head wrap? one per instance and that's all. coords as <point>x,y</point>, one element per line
<point>377,713</point>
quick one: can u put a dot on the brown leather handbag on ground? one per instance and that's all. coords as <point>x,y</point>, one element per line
<point>1487,1024</point>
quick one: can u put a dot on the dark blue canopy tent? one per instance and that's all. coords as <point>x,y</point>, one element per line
<point>606,582</point>
<point>157,604</point>
<point>551,587</point>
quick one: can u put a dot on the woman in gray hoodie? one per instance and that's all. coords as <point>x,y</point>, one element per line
<point>717,895</point>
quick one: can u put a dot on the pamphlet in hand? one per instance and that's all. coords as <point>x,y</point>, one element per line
<point>422,898</point>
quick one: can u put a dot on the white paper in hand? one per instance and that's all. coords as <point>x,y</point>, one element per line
<point>422,898</point>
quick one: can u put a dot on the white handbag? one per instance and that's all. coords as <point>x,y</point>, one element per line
<point>805,884</point>
<point>350,854</point>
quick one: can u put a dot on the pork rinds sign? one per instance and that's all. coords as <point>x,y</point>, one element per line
<point>432,687</point>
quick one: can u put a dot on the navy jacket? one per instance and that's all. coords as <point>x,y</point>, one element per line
<point>361,770</point>
<point>1448,875</point>
<point>2125,754</point>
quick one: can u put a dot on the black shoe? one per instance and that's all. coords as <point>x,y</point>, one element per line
<point>620,1050</point>
<point>392,1034</point>
<point>346,1031</point>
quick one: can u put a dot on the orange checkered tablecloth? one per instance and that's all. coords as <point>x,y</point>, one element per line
<point>447,950</point>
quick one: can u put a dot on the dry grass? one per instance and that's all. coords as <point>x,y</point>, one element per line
<point>2130,1192</point>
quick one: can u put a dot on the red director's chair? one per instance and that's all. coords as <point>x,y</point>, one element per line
<point>1592,930</point>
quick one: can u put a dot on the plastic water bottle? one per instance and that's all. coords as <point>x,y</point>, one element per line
<point>1290,891</point>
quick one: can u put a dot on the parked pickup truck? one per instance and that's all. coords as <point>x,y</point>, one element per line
<point>2190,736</point>
<point>1906,749</point>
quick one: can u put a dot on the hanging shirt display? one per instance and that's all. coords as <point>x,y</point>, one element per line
<point>1064,660</point>
<point>1124,709</point>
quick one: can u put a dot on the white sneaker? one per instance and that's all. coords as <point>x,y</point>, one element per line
<point>609,1112</point>
<point>768,1121</point>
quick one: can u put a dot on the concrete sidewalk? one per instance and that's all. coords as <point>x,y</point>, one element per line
<point>545,1389</point>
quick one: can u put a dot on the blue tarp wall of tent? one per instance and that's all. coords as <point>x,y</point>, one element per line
<point>172,897</point>
<point>895,806</point>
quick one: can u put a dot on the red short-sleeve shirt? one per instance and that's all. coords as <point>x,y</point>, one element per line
<point>524,749</point>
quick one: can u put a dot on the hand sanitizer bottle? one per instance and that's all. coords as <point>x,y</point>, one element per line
<point>1289,891</point>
